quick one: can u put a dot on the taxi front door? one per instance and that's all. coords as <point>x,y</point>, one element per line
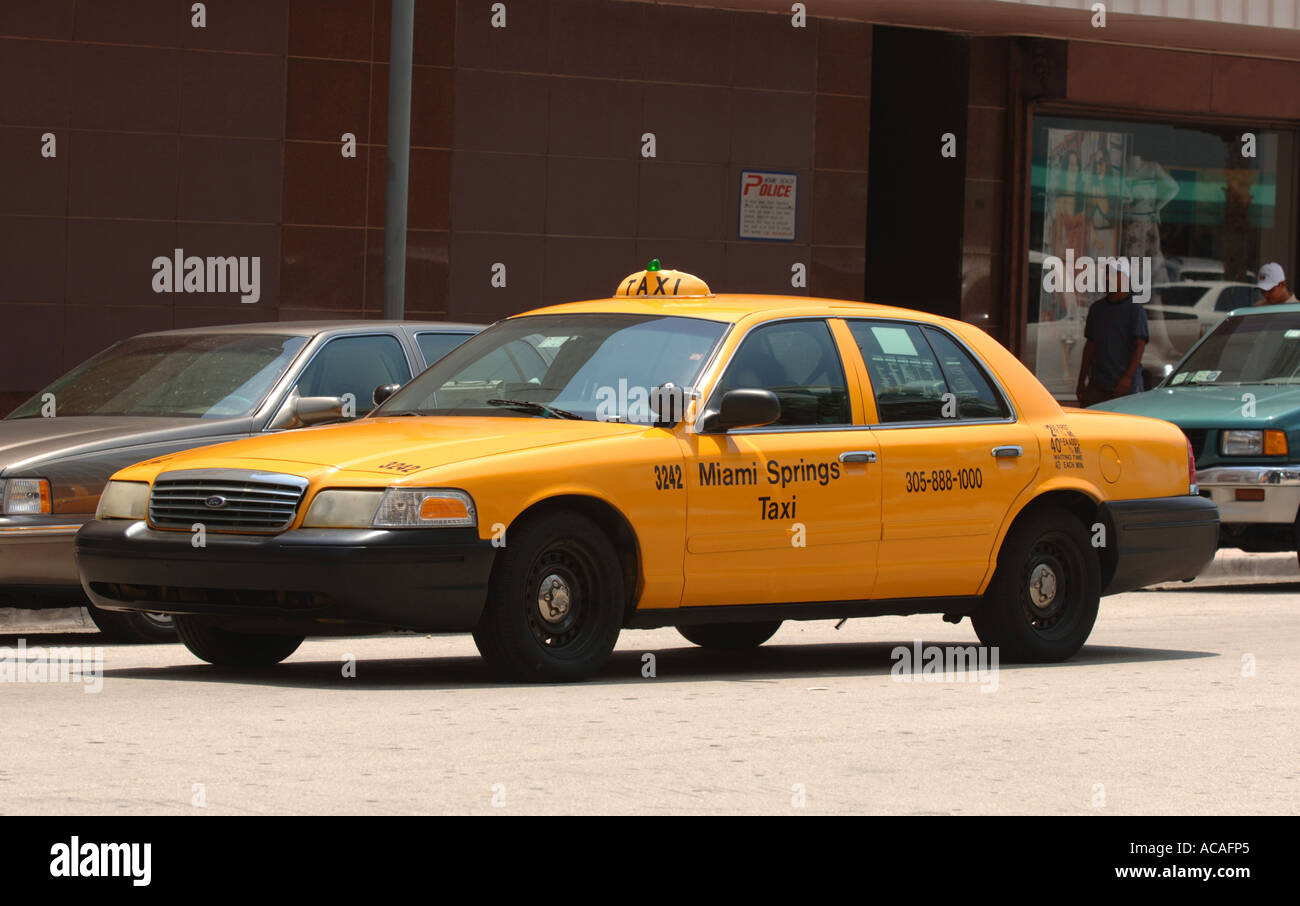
<point>788,512</point>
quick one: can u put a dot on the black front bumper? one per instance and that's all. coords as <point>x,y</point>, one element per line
<point>430,580</point>
<point>1161,539</point>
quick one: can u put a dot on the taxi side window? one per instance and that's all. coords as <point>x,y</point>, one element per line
<point>355,365</point>
<point>911,372</point>
<point>976,397</point>
<point>798,361</point>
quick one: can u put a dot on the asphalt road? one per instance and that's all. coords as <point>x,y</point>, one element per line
<point>1157,714</point>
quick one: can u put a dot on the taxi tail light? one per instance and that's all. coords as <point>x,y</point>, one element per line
<point>1191,467</point>
<point>1275,443</point>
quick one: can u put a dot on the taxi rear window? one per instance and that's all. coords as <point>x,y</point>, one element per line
<point>921,375</point>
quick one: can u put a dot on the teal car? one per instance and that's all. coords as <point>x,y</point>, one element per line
<point>1236,395</point>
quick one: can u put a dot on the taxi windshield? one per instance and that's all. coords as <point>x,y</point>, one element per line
<point>600,367</point>
<point>1253,349</point>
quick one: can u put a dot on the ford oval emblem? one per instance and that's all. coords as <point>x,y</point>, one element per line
<point>215,501</point>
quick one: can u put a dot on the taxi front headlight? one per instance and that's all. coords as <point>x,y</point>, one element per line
<point>123,500</point>
<point>429,507</point>
<point>343,509</point>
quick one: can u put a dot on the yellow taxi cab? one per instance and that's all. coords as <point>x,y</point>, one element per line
<point>665,457</point>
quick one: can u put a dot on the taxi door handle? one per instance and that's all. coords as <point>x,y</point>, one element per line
<point>858,456</point>
<point>1009,451</point>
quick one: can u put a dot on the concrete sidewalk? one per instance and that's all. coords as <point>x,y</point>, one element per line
<point>60,619</point>
<point>1235,567</point>
<point>1230,567</point>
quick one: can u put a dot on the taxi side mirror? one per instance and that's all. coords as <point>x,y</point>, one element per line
<point>383,392</point>
<point>749,408</point>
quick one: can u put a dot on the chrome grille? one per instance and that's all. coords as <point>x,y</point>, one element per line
<point>225,500</point>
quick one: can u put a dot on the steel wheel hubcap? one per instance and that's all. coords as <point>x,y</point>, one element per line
<point>1042,586</point>
<point>553,599</point>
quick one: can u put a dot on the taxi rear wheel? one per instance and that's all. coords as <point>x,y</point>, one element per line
<point>555,602</point>
<point>233,649</point>
<point>1043,600</point>
<point>730,636</point>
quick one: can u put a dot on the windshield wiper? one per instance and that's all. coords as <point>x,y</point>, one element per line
<point>535,408</point>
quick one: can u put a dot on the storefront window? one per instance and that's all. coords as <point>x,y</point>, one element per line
<point>1195,209</point>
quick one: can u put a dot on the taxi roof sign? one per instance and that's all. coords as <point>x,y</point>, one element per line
<point>655,281</point>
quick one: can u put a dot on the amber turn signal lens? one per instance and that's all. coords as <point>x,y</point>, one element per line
<point>443,508</point>
<point>1275,443</point>
<point>1250,493</point>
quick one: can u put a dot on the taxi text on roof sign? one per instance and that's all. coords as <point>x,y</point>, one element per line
<point>655,281</point>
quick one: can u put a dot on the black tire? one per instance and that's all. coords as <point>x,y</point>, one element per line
<point>118,626</point>
<point>730,636</point>
<point>233,649</point>
<point>566,637</point>
<point>1047,545</point>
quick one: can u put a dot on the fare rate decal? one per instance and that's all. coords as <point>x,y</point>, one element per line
<point>1066,452</point>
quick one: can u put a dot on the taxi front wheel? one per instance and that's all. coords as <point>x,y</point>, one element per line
<point>1043,599</point>
<point>555,602</point>
<point>730,636</point>
<point>233,649</point>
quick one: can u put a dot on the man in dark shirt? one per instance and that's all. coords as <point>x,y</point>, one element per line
<point>1116,333</point>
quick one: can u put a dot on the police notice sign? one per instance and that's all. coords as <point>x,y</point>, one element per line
<point>767,205</point>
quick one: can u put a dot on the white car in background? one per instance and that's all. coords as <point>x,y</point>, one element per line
<point>1179,314</point>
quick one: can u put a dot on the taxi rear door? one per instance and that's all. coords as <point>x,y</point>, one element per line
<point>953,457</point>
<point>789,512</point>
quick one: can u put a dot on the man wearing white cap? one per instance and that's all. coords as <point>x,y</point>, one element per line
<point>1272,286</point>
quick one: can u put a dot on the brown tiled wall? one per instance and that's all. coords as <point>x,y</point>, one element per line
<point>548,176</point>
<point>333,234</point>
<point>226,141</point>
<point>167,136</point>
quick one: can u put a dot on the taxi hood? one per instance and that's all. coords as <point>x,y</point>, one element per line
<point>416,443</point>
